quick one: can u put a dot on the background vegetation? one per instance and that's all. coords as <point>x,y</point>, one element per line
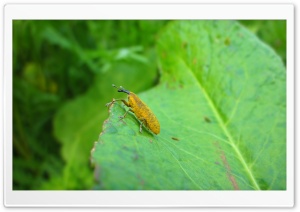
<point>62,76</point>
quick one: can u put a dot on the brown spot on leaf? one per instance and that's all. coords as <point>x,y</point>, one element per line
<point>227,41</point>
<point>206,119</point>
<point>175,139</point>
<point>226,166</point>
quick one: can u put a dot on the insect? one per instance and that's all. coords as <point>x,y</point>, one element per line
<point>140,109</point>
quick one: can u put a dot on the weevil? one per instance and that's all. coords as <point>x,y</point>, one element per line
<point>140,109</point>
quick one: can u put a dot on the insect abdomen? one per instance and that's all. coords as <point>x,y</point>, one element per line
<point>143,113</point>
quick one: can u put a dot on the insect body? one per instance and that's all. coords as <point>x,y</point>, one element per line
<point>140,109</point>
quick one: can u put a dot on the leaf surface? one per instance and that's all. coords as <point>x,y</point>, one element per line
<point>221,103</point>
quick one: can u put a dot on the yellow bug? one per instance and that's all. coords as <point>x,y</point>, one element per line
<point>140,109</point>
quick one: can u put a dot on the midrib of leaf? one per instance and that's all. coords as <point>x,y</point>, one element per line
<point>224,128</point>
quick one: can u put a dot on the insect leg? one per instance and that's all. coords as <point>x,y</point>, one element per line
<point>121,117</point>
<point>141,125</point>
<point>110,103</point>
<point>114,100</point>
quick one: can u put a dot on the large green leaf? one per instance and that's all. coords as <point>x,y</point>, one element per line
<point>221,103</point>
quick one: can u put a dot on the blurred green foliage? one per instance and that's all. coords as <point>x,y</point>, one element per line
<point>62,73</point>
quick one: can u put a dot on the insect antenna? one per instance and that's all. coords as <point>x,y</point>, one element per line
<point>121,89</point>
